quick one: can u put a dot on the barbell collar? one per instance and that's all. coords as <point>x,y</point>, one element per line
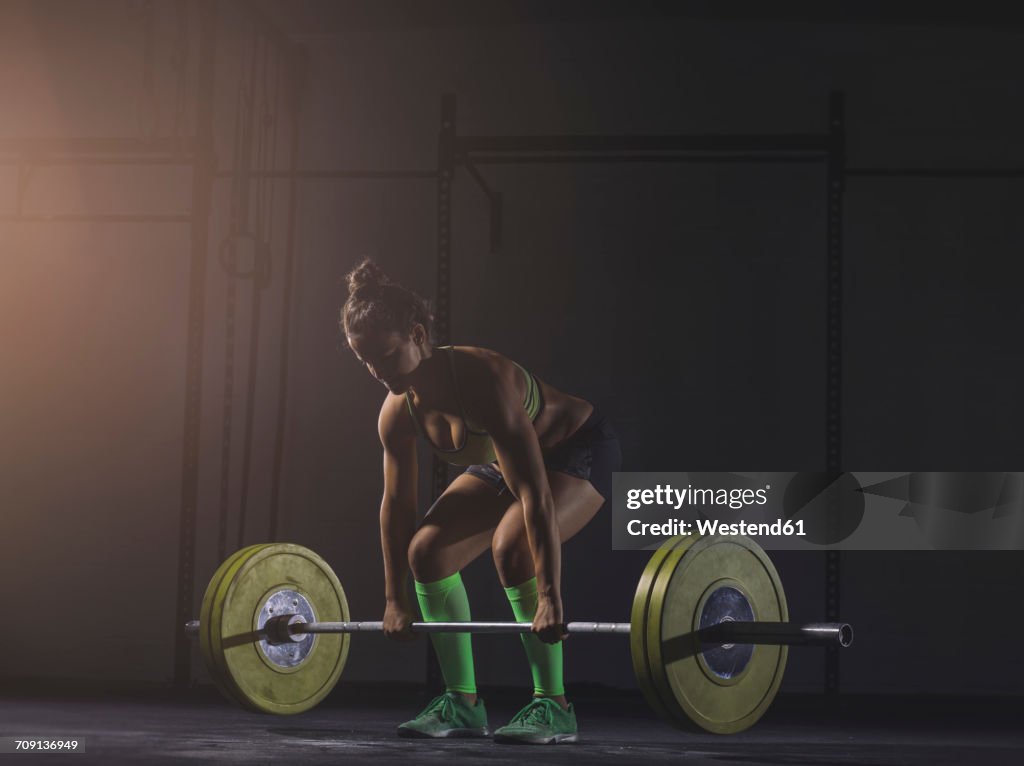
<point>284,629</point>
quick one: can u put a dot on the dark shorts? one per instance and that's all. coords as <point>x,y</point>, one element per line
<point>592,453</point>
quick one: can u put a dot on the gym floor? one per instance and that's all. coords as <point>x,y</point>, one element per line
<point>131,725</point>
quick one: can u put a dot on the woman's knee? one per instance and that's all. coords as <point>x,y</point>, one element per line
<point>424,554</point>
<point>512,559</point>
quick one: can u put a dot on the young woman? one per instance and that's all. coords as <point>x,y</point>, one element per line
<point>539,464</point>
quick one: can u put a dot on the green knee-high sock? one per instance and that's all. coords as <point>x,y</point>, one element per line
<point>446,601</point>
<point>545,659</point>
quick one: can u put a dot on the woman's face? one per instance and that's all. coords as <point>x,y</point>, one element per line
<point>389,357</point>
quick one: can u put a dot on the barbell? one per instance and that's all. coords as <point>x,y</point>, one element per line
<point>709,631</point>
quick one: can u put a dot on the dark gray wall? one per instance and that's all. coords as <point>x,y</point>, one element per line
<point>686,301</point>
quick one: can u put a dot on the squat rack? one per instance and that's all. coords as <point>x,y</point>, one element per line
<point>469,152</point>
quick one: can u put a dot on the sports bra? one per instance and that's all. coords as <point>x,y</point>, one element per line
<point>477,447</point>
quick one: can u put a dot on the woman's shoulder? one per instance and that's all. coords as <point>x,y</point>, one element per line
<point>482,356</point>
<point>393,421</point>
<point>482,362</point>
<point>481,372</point>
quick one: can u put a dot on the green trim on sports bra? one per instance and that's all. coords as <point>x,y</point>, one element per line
<point>477,446</point>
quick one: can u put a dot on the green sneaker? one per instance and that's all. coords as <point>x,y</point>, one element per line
<point>448,715</point>
<point>542,722</point>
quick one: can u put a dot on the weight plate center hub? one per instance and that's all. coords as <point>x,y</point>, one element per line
<point>286,607</point>
<point>725,603</point>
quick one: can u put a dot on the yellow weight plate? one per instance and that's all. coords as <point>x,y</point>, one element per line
<point>686,684</point>
<point>255,672</point>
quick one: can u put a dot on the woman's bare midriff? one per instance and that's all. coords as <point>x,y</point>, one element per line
<point>562,416</point>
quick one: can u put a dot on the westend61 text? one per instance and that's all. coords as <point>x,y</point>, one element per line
<point>776,528</point>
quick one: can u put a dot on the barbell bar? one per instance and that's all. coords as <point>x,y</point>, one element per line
<point>709,630</point>
<point>281,630</point>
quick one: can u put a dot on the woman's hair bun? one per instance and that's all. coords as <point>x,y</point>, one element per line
<point>375,303</point>
<point>367,277</point>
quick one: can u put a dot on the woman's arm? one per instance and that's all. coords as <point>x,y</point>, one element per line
<point>398,506</point>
